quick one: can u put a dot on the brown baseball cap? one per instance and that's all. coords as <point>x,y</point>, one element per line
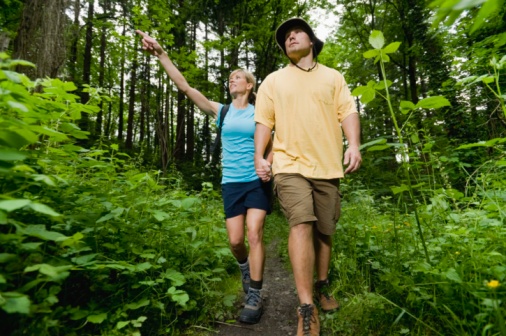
<point>297,22</point>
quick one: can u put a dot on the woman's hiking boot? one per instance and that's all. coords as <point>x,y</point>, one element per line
<point>309,323</point>
<point>327,303</point>
<point>253,308</point>
<point>245,276</point>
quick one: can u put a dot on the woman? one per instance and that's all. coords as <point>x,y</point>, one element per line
<point>245,197</point>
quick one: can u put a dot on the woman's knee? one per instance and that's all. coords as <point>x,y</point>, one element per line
<point>255,237</point>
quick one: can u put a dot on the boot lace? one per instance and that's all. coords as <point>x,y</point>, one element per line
<point>253,297</point>
<point>306,312</point>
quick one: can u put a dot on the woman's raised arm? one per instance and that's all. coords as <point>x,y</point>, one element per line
<point>153,47</point>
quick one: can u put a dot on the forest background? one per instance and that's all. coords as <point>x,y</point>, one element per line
<point>110,213</point>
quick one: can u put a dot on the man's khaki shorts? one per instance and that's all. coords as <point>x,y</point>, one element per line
<point>304,200</point>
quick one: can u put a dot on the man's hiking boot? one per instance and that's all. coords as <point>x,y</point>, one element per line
<point>253,309</point>
<point>309,323</point>
<point>327,303</point>
<point>245,276</point>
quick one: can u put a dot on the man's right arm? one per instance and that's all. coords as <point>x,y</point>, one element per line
<point>262,139</point>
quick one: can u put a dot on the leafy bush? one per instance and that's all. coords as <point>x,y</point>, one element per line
<point>90,243</point>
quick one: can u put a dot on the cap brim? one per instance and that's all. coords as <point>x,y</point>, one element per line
<point>297,22</point>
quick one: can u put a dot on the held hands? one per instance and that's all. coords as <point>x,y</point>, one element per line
<point>263,169</point>
<point>150,44</point>
<point>353,159</point>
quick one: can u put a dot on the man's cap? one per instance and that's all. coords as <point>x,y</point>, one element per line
<point>297,22</point>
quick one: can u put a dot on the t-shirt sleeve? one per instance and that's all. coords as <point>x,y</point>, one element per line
<point>345,102</point>
<point>218,117</point>
<point>264,106</point>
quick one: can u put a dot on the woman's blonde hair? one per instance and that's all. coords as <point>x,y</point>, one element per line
<point>250,79</point>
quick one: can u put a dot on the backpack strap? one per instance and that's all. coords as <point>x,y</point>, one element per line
<point>223,113</point>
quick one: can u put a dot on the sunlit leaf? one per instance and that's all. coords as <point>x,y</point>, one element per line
<point>433,102</point>
<point>406,106</point>
<point>99,318</point>
<point>376,39</point>
<point>392,47</point>
<point>371,53</point>
<point>380,141</point>
<point>489,8</point>
<point>382,86</point>
<point>378,148</point>
<point>11,205</point>
<point>43,209</point>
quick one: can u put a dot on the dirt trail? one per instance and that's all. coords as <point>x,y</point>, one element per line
<point>280,302</point>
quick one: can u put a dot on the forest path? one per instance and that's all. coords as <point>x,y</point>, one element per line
<point>279,299</point>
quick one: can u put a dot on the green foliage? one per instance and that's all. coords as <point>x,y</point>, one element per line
<point>449,10</point>
<point>432,261</point>
<point>89,241</point>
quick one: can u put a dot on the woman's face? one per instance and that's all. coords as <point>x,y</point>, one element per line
<point>237,83</point>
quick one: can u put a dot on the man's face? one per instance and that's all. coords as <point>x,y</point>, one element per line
<point>297,41</point>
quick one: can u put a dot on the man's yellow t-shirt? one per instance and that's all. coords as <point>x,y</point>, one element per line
<point>306,110</point>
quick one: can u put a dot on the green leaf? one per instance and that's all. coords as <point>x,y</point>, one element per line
<point>18,106</point>
<point>378,148</point>
<point>6,257</point>
<point>99,318</point>
<point>489,8</point>
<point>143,267</point>
<point>16,139</point>
<point>382,86</point>
<point>43,209</point>
<point>406,106</point>
<point>189,202</point>
<point>376,39</point>
<point>368,96</point>
<point>39,231</point>
<point>433,102</point>
<point>160,215</point>
<point>380,141</point>
<point>178,296</point>
<point>414,138</point>
<point>488,79</point>
<point>176,278</point>
<point>452,274</point>
<point>392,47</point>
<point>358,91</point>
<point>55,135</point>
<point>397,190</point>
<point>138,304</point>
<point>12,302</point>
<point>11,155</point>
<point>489,143</point>
<point>371,53</point>
<point>122,324</point>
<point>11,205</point>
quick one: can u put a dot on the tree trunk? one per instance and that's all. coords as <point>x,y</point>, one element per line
<point>131,106</point>
<point>84,123</point>
<point>121,109</point>
<point>41,37</point>
<point>101,74</point>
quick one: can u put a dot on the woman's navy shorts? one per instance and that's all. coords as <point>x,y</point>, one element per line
<point>238,197</point>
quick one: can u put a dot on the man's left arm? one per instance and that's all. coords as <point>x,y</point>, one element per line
<point>352,156</point>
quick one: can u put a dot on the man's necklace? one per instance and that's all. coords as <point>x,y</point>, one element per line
<point>306,70</point>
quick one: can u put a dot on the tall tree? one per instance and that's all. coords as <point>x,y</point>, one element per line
<point>41,37</point>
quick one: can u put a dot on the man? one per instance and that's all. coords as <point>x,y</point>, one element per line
<point>308,105</point>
